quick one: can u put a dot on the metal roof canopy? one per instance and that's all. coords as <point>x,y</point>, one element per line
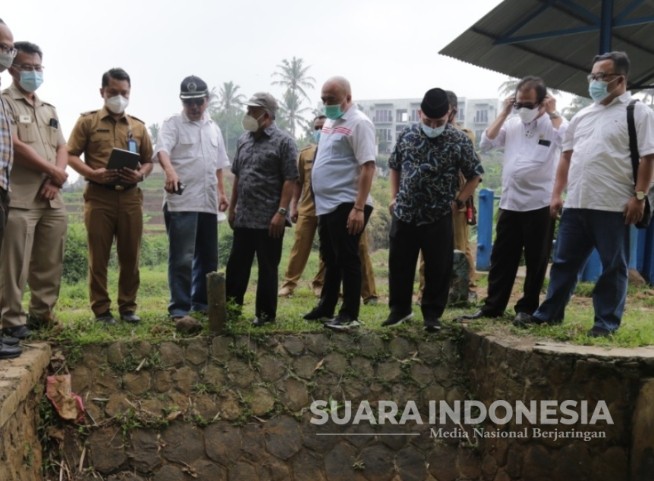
<point>557,40</point>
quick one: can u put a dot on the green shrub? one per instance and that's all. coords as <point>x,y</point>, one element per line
<point>154,250</point>
<point>225,239</point>
<point>75,255</point>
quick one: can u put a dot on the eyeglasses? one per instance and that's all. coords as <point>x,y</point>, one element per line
<point>26,67</point>
<point>8,50</point>
<point>601,76</point>
<point>525,105</point>
<point>196,102</point>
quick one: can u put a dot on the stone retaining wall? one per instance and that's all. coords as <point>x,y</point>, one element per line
<point>238,408</point>
<point>518,370</point>
<point>21,390</point>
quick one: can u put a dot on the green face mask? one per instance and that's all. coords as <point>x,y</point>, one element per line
<point>333,112</point>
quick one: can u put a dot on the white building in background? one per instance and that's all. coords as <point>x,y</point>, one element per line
<point>391,116</point>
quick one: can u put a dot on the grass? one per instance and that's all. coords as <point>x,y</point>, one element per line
<point>80,327</point>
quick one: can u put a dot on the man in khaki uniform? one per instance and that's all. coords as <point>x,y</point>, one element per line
<point>303,213</point>
<point>33,248</point>
<point>113,203</point>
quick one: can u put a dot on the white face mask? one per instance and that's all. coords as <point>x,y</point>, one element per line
<point>528,115</point>
<point>116,104</point>
<point>249,123</point>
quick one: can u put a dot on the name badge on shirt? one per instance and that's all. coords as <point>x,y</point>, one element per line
<point>24,119</point>
<point>544,142</point>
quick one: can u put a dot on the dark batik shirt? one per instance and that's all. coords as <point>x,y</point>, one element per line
<point>262,165</point>
<point>429,172</point>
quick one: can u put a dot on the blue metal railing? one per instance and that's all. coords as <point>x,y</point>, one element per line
<point>641,244</point>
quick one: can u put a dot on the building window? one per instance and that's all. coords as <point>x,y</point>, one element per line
<point>383,115</point>
<point>401,116</point>
<point>481,116</point>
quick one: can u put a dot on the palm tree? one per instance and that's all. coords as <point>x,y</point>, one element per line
<point>229,98</point>
<point>290,112</point>
<point>226,110</point>
<point>294,76</point>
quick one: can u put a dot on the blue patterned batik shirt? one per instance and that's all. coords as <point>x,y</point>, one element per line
<point>429,172</point>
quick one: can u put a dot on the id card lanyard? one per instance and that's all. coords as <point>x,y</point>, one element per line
<point>131,142</point>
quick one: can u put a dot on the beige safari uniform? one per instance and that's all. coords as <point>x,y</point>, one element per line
<point>33,247</point>
<point>108,212</point>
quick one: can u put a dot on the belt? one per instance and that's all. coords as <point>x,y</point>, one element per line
<point>117,187</point>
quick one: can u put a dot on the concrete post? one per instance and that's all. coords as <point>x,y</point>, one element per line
<point>217,311</point>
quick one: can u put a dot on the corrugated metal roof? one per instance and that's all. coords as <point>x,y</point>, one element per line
<point>557,40</point>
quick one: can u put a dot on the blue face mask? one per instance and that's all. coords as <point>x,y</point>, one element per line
<point>598,90</point>
<point>430,132</point>
<point>316,136</point>
<point>31,80</point>
<point>333,112</point>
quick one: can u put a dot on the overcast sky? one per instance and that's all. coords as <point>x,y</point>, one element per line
<point>386,48</point>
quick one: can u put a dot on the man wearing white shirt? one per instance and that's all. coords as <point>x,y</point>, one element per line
<point>192,154</point>
<point>602,200</point>
<point>532,142</point>
<point>341,179</point>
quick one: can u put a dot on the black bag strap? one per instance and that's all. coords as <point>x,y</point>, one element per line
<point>633,140</point>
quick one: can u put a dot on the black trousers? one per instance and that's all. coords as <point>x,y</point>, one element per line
<point>247,243</point>
<point>436,242</point>
<point>340,252</point>
<point>531,231</point>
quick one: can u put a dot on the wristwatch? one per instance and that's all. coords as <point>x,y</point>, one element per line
<point>282,211</point>
<point>640,195</point>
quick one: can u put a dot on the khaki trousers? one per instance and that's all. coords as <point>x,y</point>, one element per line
<point>305,231</point>
<point>32,253</point>
<point>109,214</point>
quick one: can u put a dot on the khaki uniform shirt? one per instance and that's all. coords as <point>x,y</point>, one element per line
<point>38,126</point>
<point>96,133</point>
<point>305,205</point>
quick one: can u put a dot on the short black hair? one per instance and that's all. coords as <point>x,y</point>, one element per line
<point>29,48</point>
<point>532,82</point>
<point>620,59</point>
<point>453,100</point>
<point>117,74</point>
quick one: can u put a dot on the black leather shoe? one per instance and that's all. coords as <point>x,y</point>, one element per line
<point>478,315</point>
<point>317,314</point>
<point>19,332</point>
<point>9,352</point>
<point>130,318</point>
<point>106,318</point>
<point>9,341</point>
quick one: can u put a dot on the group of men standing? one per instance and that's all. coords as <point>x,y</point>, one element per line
<point>434,171</point>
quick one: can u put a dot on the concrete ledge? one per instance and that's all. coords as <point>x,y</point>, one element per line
<point>19,376</point>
